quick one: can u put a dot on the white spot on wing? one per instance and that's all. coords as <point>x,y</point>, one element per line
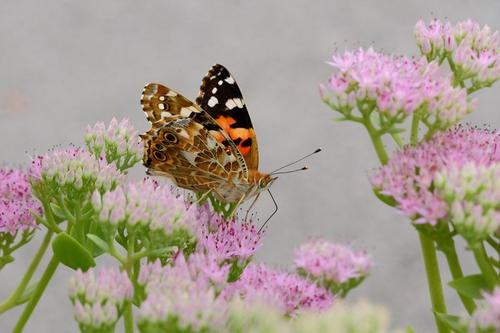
<point>229,80</point>
<point>238,102</point>
<point>171,93</point>
<point>219,83</point>
<point>212,101</point>
<point>214,90</point>
<point>161,106</point>
<point>161,98</point>
<point>165,114</point>
<point>230,104</point>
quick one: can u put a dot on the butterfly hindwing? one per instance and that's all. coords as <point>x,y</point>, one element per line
<point>221,97</point>
<point>183,150</point>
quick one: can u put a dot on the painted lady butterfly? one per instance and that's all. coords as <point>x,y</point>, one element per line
<point>208,146</point>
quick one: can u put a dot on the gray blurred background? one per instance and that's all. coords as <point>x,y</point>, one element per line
<point>66,64</point>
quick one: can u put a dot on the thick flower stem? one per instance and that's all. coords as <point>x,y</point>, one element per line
<point>456,272</point>
<point>12,299</point>
<point>42,284</point>
<point>128,318</point>
<point>487,270</point>
<point>378,144</point>
<point>433,279</point>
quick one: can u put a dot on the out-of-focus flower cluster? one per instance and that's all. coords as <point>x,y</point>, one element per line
<point>260,317</point>
<point>486,318</point>
<point>118,143</point>
<point>450,176</point>
<point>16,202</point>
<point>396,87</point>
<point>472,51</point>
<point>333,266</point>
<point>99,299</point>
<point>183,297</point>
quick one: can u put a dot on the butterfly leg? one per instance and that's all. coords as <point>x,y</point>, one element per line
<point>251,206</point>
<point>203,197</point>
<point>234,206</point>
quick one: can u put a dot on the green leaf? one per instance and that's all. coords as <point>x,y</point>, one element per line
<point>101,244</point>
<point>71,253</point>
<point>58,211</point>
<point>469,286</point>
<point>452,322</point>
<point>27,293</point>
<point>163,252</point>
<point>387,199</point>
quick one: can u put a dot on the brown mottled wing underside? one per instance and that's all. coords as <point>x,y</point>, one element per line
<point>184,151</point>
<point>162,103</point>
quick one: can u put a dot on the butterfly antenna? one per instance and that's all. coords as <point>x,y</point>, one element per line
<point>275,210</point>
<point>297,161</point>
<point>291,171</point>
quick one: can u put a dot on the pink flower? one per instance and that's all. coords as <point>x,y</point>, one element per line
<point>473,49</point>
<point>118,143</point>
<point>410,174</point>
<point>16,202</point>
<point>331,263</point>
<point>486,318</point>
<point>227,239</point>
<point>395,87</point>
<point>109,285</point>
<point>187,292</point>
<point>146,203</point>
<point>75,169</point>
<point>288,292</point>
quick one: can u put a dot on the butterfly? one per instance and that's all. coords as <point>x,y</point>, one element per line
<point>209,146</point>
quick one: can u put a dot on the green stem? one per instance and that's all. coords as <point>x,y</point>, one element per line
<point>457,273</point>
<point>128,318</point>
<point>433,279</point>
<point>378,144</point>
<point>487,270</point>
<point>129,267</point>
<point>42,284</point>
<point>12,299</point>
<point>397,139</point>
<point>414,129</point>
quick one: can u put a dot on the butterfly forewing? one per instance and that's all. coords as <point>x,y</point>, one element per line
<point>221,97</point>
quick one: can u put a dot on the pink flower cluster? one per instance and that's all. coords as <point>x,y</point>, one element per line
<point>98,299</point>
<point>325,261</point>
<point>119,142</point>
<point>75,168</point>
<point>473,196</point>
<point>16,202</point>
<point>486,318</point>
<point>186,291</point>
<point>227,239</point>
<point>409,177</point>
<point>473,49</point>
<point>395,86</point>
<point>148,204</point>
<point>288,292</point>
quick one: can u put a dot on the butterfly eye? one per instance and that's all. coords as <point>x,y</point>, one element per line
<point>160,156</point>
<point>170,138</point>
